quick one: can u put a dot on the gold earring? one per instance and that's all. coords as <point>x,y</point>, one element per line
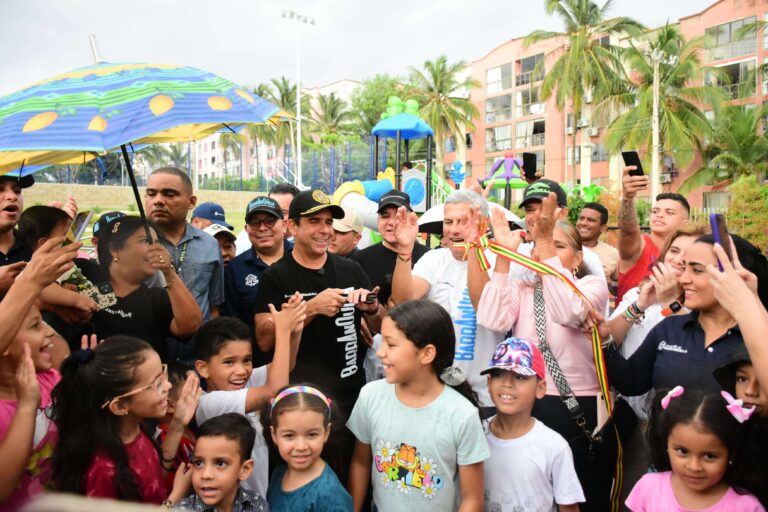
<point>115,260</point>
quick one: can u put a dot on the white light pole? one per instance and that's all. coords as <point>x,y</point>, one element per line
<point>657,56</point>
<point>300,19</point>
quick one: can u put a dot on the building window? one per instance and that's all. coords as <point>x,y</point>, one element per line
<point>498,138</point>
<point>470,138</point>
<point>498,78</point>
<point>199,163</point>
<point>213,160</point>
<point>569,155</point>
<point>498,108</point>
<point>528,102</point>
<point>529,133</point>
<point>737,80</point>
<point>450,144</point>
<point>731,40</point>
<point>524,70</point>
<point>716,200</point>
<point>213,145</point>
<point>599,153</point>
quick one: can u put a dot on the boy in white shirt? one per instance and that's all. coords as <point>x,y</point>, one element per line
<point>531,466</point>
<point>226,363</point>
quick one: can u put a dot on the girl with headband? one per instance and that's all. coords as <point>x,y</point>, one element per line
<point>300,420</point>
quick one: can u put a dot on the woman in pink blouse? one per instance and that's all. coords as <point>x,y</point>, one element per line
<point>506,305</point>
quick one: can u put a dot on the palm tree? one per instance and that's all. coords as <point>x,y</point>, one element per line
<point>330,118</point>
<point>259,133</point>
<point>443,92</point>
<point>284,96</point>
<point>156,155</point>
<point>229,143</point>
<point>585,64</point>
<point>737,149</point>
<point>682,122</point>
<point>177,154</point>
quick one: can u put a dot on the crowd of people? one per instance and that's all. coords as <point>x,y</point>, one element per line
<point>287,369</point>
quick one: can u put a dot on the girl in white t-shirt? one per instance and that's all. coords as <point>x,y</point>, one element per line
<point>420,441</point>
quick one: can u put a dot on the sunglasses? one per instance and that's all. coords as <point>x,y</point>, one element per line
<point>156,386</point>
<point>268,222</point>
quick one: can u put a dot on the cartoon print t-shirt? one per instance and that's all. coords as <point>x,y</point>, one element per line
<point>37,473</point>
<point>417,452</point>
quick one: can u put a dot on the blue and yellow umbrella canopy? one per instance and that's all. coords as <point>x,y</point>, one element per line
<point>73,117</point>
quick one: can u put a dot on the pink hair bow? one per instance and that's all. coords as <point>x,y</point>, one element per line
<point>672,393</point>
<point>736,407</point>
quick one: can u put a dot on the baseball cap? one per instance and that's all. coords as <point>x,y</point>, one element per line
<point>308,202</point>
<point>519,356</point>
<point>350,222</point>
<point>218,229</point>
<point>395,198</point>
<point>212,212</point>
<point>105,219</point>
<point>263,204</point>
<point>540,189</point>
<point>24,181</point>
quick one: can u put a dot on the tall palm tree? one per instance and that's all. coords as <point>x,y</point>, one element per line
<point>284,96</point>
<point>584,64</point>
<point>177,154</point>
<point>737,149</point>
<point>330,118</point>
<point>230,144</point>
<point>683,125</point>
<point>444,97</point>
<point>156,155</point>
<point>259,133</point>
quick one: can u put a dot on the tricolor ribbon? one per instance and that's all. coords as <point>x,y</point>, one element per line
<point>597,347</point>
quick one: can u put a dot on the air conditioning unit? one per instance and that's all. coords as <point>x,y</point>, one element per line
<point>665,178</point>
<point>593,132</point>
<point>582,123</point>
<point>569,130</point>
<point>588,98</point>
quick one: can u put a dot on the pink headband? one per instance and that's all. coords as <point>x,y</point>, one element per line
<point>300,389</point>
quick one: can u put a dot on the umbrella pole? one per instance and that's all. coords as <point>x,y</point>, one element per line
<point>375,168</point>
<point>429,172</point>
<point>398,170</point>
<point>136,194</point>
<point>407,150</point>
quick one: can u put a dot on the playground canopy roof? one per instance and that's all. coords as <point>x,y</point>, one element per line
<point>410,127</point>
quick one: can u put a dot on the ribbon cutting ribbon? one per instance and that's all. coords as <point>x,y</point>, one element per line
<point>483,243</point>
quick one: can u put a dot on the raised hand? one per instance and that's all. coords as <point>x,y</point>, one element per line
<point>735,286</point>
<point>631,185</point>
<point>189,397</point>
<point>8,274</point>
<point>501,232</point>
<point>182,483</point>
<point>406,230</point>
<point>160,259</point>
<point>291,316</point>
<point>50,261</point>
<point>86,343</point>
<point>545,220</point>
<point>472,224</point>
<point>27,387</point>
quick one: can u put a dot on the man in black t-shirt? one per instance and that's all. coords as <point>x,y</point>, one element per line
<point>378,261</point>
<point>331,350</point>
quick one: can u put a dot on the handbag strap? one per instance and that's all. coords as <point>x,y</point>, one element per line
<point>561,383</point>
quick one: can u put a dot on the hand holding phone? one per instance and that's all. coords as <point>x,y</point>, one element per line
<point>631,158</point>
<point>720,236</point>
<point>77,228</point>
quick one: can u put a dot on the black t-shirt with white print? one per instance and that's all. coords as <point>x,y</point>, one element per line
<point>331,352</point>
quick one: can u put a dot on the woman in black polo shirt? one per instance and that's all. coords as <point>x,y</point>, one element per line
<point>685,349</point>
<point>151,314</point>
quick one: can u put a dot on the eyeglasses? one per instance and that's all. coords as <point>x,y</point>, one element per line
<point>156,386</point>
<point>268,222</point>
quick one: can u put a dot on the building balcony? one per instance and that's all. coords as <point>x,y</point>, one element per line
<point>536,139</point>
<point>529,109</point>
<point>527,78</point>
<point>499,85</point>
<point>738,90</point>
<point>498,145</point>
<point>498,116</point>
<point>732,50</point>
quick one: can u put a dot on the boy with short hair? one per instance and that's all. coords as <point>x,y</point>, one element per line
<point>221,461</point>
<point>234,385</point>
<point>531,466</point>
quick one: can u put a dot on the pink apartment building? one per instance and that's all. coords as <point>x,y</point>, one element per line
<point>512,116</point>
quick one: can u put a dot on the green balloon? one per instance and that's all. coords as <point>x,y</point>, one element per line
<point>411,106</point>
<point>393,101</point>
<point>384,116</point>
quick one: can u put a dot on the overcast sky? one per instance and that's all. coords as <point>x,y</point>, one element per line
<point>248,41</point>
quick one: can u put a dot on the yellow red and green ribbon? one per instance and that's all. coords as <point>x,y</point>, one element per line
<point>483,243</point>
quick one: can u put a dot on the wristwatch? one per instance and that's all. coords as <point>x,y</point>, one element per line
<point>672,309</point>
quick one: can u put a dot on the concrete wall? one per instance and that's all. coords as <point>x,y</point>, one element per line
<point>121,198</point>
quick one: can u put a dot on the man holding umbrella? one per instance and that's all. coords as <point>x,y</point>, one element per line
<point>195,255</point>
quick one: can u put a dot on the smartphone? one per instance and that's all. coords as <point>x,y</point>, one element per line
<point>77,228</point>
<point>529,166</point>
<point>102,294</point>
<point>720,235</point>
<point>632,158</point>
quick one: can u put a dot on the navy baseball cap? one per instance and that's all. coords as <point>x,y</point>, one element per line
<point>105,219</point>
<point>540,189</point>
<point>395,198</point>
<point>263,204</point>
<point>212,212</point>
